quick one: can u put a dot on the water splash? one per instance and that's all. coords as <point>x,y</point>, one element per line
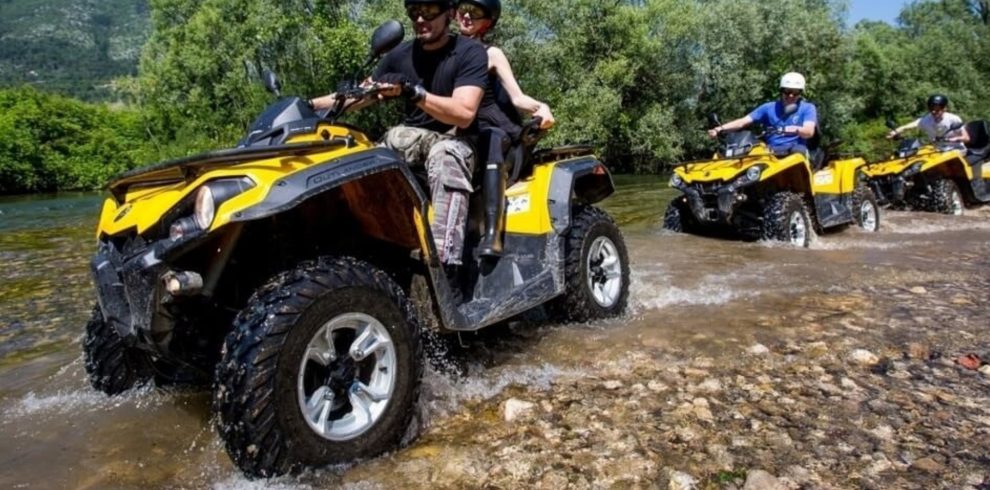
<point>75,401</point>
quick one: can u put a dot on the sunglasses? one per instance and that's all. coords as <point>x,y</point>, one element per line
<point>792,93</point>
<point>428,11</point>
<point>471,11</point>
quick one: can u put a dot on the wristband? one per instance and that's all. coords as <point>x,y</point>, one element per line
<point>417,93</point>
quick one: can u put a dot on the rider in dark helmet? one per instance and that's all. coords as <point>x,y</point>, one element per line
<point>441,78</point>
<point>498,117</point>
<point>937,122</point>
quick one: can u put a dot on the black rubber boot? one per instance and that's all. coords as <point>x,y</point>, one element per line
<point>494,188</point>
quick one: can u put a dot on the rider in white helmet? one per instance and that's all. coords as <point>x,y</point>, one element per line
<point>792,118</point>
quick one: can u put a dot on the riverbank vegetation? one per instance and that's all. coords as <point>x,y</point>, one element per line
<point>636,78</point>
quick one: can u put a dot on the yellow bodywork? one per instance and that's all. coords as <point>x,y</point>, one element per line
<point>929,156</point>
<point>144,205</point>
<point>155,200</point>
<point>837,177</point>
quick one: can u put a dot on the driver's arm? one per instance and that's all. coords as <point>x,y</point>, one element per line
<point>459,109</point>
<point>328,101</point>
<point>963,136</point>
<point>807,130</point>
<point>740,123</point>
<point>901,129</point>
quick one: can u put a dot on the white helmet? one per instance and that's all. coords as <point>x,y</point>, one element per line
<point>792,80</point>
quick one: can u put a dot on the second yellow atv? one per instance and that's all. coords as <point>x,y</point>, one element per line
<point>940,177</point>
<point>749,190</point>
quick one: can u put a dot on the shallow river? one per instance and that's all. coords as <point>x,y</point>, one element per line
<point>691,298</point>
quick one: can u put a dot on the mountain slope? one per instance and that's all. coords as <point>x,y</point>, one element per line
<point>71,47</point>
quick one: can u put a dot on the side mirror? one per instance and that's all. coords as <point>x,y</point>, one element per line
<point>386,37</point>
<point>891,124</point>
<point>271,82</point>
<point>713,121</point>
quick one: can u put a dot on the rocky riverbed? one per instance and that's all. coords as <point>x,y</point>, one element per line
<point>858,363</point>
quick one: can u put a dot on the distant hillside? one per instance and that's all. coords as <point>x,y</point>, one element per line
<point>73,47</point>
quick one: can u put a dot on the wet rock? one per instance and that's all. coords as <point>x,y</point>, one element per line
<point>918,351</point>
<point>681,481</point>
<point>864,357</point>
<point>514,409</point>
<point>928,465</point>
<point>657,386</point>
<point>613,385</point>
<point>758,350</point>
<point>985,370</point>
<point>710,385</point>
<point>919,290</point>
<point>970,361</point>
<point>761,480</point>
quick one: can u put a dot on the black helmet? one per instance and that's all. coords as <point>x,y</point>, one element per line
<point>444,3</point>
<point>938,100</point>
<point>493,7</point>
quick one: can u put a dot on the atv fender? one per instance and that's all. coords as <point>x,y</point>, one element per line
<point>373,180</point>
<point>586,179</point>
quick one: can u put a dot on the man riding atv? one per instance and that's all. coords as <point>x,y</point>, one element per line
<point>765,188</point>
<point>794,119</point>
<point>941,176</point>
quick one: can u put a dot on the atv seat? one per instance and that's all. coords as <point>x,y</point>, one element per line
<point>816,154</point>
<point>979,142</point>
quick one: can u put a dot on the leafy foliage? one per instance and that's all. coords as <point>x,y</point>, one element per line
<point>636,78</point>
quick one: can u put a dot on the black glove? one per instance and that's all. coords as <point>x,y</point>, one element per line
<point>411,89</point>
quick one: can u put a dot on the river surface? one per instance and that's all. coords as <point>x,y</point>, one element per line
<point>692,299</point>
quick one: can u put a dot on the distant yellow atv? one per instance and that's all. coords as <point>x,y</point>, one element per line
<point>940,176</point>
<point>748,190</point>
<point>281,271</point>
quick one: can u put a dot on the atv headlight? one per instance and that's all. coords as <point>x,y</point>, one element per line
<point>206,208</point>
<point>676,181</point>
<point>753,173</point>
<point>207,199</point>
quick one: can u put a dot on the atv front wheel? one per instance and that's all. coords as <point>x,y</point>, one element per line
<point>865,210</point>
<point>323,367</point>
<point>946,198</point>
<point>596,268</point>
<point>677,217</point>
<point>786,219</point>
<point>112,366</point>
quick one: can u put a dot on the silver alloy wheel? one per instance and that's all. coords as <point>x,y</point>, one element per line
<point>798,229</point>
<point>956,202</point>
<point>342,396</point>
<point>604,272</point>
<point>868,216</point>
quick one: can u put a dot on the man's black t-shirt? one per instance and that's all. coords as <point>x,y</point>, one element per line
<point>460,62</point>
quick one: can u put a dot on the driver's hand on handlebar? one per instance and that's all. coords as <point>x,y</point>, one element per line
<point>396,84</point>
<point>713,133</point>
<point>546,117</point>
<point>892,134</point>
<point>791,129</point>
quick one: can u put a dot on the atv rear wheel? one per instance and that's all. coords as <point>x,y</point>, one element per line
<point>112,366</point>
<point>865,210</point>
<point>786,218</point>
<point>946,198</point>
<point>323,367</point>
<point>677,217</point>
<point>596,268</point>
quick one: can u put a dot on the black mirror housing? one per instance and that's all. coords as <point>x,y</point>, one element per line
<point>271,82</point>
<point>386,37</point>
<point>713,121</point>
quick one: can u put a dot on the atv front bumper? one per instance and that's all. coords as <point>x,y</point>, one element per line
<point>128,277</point>
<point>890,189</point>
<point>713,203</point>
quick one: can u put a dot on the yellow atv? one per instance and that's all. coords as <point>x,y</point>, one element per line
<point>748,190</point>
<point>281,271</point>
<point>941,177</point>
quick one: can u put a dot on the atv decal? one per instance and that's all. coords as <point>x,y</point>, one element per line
<point>823,177</point>
<point>518,204</point>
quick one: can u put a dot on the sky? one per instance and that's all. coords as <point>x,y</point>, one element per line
<point>885,10</point>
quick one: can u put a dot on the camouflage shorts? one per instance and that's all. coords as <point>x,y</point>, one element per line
<point>449,163</point>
